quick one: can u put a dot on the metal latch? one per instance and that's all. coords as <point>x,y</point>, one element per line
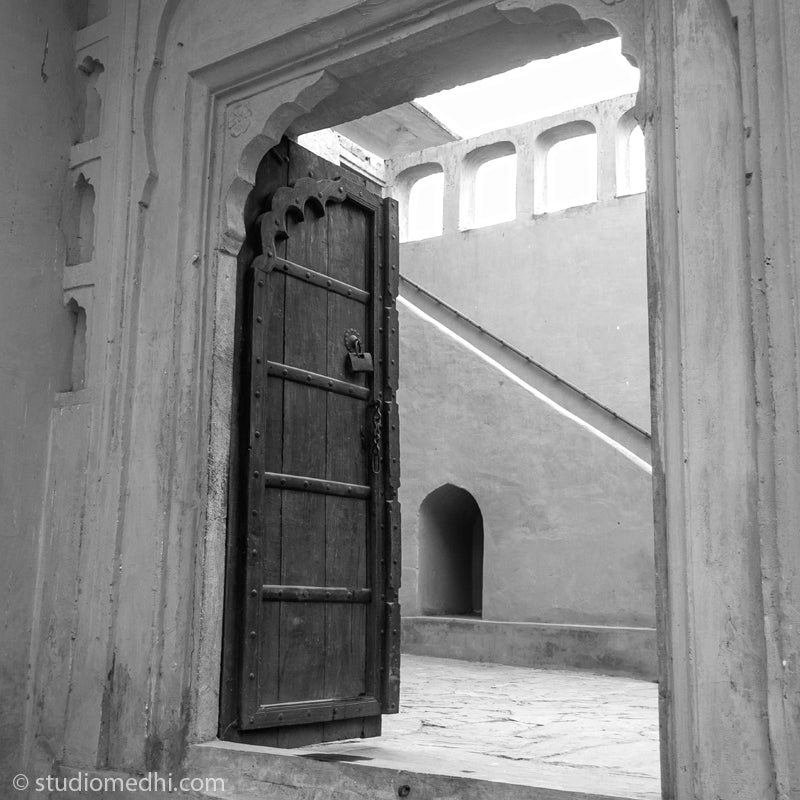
<point>357,359</point>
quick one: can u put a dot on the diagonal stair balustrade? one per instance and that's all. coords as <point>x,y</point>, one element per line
<point>531,375</point>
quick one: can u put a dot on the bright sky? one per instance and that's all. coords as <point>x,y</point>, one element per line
<point>539,89</point>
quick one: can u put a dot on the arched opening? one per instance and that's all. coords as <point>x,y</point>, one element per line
<point>495,191</point>
<point>420,194</point>
<point>73,377</point>
<point>91,102</point>
<point>80,215</point>
<point>425,199</point>
<point>630,156</point>
<point>637,179</point>
<point>451,553</point>
<point>489,194</point>
<point>571,167</point>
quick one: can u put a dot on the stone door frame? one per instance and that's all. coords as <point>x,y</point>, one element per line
<point>238,110</point>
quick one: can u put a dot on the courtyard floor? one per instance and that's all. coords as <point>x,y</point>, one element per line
<point>554,729</point>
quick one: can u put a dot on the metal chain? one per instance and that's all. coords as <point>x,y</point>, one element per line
<point>377,436</point>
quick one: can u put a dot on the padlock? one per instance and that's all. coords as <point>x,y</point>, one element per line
<point>357,359</point>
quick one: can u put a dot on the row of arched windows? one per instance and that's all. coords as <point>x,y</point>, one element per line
<point>489,179</point>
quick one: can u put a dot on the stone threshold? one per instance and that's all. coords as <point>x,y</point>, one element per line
<point>266,773</point>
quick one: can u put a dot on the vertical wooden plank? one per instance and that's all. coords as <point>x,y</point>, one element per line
<point>302,630</point>
<point>345,622</point>
<point>347,261</point>
<point>348,257</point>
<point>267,439</point>
<point>268,633</point>
<point>255,297</point>
<point>302,626</point>
<point>272,172</point>
<point>346,520</point>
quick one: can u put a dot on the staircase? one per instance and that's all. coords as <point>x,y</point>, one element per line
<point>537,379</point>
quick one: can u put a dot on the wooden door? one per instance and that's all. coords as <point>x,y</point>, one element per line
<point>318,535</point>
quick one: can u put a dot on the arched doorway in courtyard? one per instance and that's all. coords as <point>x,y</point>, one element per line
<point>451,552</point>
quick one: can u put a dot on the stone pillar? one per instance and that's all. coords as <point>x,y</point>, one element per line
<point>453,188</point>
<point>525,176</point>
<point>715,738</point>
<point>606,124</point>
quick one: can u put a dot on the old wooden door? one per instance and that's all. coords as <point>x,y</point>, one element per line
<point>318,535</point>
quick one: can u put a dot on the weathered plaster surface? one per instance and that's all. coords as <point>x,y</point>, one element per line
<point>773,27</point>
<point>37,127</point>
<point>567,519</point>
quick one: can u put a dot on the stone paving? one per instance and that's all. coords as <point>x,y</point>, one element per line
<point>556,729</point>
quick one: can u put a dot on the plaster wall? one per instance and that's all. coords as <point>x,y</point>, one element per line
<point>37,127</point>
<point>568,288</point>
<point>568,534</point>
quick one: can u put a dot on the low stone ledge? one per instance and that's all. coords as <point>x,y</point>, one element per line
<point>607,650</point>
<point>264,773</point>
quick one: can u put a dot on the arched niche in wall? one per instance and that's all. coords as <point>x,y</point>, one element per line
<point>567,167</point>
<point>80,222</point>
<point>73,374</point>
<point>91,102</point>
<point>489,185</point>
<point>420,194</point>
<point>450,553</point>
<point>630,156</point>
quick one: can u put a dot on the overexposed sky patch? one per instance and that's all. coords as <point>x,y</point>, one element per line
<point>539,89</point>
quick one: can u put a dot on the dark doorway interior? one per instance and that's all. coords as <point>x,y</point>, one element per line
<point>451,553</point>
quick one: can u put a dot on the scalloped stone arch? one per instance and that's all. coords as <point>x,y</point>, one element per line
<point>626,17</point>
<point>302,95</point>
<point>291,100</point>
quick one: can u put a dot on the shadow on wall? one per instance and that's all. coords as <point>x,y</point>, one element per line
<point>451,553</point>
